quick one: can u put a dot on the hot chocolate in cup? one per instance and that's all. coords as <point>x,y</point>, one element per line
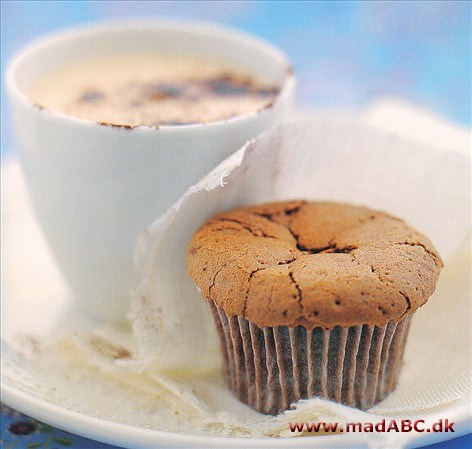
<point>99,173</point>
<point>153,90</point>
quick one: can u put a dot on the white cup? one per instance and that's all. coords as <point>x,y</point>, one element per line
<point>94,187</point>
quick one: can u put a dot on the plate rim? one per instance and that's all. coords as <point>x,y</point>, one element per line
<point>128,436</point>
<point>102,430</point>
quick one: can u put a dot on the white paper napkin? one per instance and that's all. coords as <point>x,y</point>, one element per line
<point>324,160</point>
<point>315,160</point>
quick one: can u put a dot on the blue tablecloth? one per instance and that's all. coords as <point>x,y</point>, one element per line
<point>22,432</point>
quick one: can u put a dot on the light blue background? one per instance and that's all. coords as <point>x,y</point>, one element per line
<point>344,53</point>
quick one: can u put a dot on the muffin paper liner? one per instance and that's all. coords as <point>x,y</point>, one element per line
<point>271,368</point>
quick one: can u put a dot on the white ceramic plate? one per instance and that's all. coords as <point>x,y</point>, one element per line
<point>38,304</point>
<point>35,300</point>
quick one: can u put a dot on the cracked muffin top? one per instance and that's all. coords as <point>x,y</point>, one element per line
<point>313,264</point>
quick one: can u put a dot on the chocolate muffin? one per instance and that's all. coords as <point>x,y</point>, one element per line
<point>312,299</point>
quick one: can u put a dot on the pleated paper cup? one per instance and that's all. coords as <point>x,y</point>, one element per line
<point>271,368</point>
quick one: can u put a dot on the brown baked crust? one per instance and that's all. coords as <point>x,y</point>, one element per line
<point>313,264</point>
